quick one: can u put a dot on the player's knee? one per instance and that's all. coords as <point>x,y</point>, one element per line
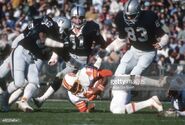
<point>138,70</point>
<point>34,84</point>
<point>56,83</point>
<point>117,109</point>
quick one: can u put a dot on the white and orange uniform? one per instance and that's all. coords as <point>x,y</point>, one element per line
<point>89,83</point>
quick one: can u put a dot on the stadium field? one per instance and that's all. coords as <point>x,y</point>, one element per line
<point>63,113</point>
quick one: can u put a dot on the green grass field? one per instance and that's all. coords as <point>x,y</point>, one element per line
<point>63,113</point>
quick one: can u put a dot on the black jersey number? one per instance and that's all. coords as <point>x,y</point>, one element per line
<point>47,22</point>
<point>72,40</point>
<point>30,25</point>
<point>141,32</point>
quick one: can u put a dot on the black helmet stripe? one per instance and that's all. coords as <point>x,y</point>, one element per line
<point>78,11</point>
<point>128,5</point>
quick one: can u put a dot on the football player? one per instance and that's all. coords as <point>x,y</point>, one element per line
<point>5,66</point>
<point>176,91</point>
<point>177,98</point>
<point>31,51</point>
<point>176,94</point>
<point>83,36</point>
<point>85,86</point>
<point>143,30</point>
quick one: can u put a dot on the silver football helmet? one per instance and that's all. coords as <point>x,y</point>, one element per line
<point>131,11</point>
<point>78,16</point>
<point>64,24</point>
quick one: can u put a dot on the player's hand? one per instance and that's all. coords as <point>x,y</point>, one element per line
<point>90,94</point>
<point>103,53</point>
<point>157,46</point>
<point>52,62</point>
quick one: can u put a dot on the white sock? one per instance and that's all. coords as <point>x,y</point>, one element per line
<point>136,106</point>
<point>28,91</point>
<point>11,87</point>
<point>47,94</point>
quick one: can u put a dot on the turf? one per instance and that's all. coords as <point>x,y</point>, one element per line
<point>63,113</point>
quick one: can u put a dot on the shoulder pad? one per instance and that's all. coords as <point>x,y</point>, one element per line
<point>90,26</point>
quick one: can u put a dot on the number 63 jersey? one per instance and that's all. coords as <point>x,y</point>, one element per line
<point>144,33</point>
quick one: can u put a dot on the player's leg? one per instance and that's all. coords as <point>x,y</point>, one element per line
<point>136,106</point>
<point>18,65</point>
<point>181,113</point>
<point>179,102</point>
<point>55,85</point>
<point>119,100</point>
<point>5,67</point>
<point>183,99</point>
<point>127,63</point>
<point>15,95</point>
<point>147,81</point>
<point>121,97</point>
<point>145,59</point>
<point>81,103</point>
<point>4,70</point>
<point>32,86</point>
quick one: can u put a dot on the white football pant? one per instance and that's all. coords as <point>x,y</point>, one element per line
<point>133,62</point>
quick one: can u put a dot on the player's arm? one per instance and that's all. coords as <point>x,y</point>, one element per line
<point>121,40</point>
<point>64,54</point>
<point>98,84</point>
<point>163,42</point>
<point>53,43</point>
<point>160,34</point>
<point>53,60</point>
<point>116,45</point>
<point>92,92</point>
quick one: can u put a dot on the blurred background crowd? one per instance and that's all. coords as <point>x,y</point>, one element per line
<point>15,15</point>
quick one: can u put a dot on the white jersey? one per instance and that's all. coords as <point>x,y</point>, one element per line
<point>85,81</point>
<point>85,77</point>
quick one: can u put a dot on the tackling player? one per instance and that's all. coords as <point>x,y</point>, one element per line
<point>29,54</point>
<point>83,36</point>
